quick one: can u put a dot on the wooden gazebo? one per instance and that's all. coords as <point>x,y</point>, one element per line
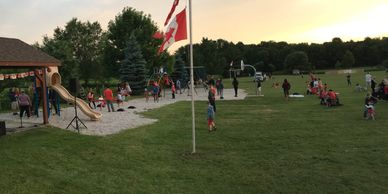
<point>15,53</point>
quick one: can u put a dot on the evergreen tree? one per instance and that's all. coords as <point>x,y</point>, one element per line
<point>180,72</point>
<point>132,68</point>
<point>338,65</point>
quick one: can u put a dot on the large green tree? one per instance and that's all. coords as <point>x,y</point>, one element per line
<point>78,46</point>
<point>132,68</point>
<point>297,60</point>
<point>126,23</point>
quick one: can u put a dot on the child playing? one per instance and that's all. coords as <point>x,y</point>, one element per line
<point>101,102</point>
<point>146,96</point>
<point>369,112</point>
<point>120,98</point>
<point>155,91</point>
<point>173,90</point>
<point>210,118</point>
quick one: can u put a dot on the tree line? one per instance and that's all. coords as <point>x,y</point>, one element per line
<point>269,56</point>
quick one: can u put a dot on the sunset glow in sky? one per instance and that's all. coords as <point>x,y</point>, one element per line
<point>249,21</point>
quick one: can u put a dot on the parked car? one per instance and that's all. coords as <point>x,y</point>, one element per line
<point>259,76</point>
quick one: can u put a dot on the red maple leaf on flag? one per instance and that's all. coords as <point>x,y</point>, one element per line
<point>176,31</point>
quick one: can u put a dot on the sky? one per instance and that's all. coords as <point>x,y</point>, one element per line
<point>248,21</point>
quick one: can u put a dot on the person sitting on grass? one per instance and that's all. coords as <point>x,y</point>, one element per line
<point>210,118</point>
<point>323,96</point>
<point>332,99</point>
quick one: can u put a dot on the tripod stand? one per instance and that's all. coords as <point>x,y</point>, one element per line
<point>76,118</point>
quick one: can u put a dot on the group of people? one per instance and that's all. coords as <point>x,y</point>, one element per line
<point>379,91</point>
<point>107,99</point>
<point>20,100</point>
<point>156,89</point>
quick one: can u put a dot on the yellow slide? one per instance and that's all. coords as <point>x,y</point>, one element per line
<point>94,115</point>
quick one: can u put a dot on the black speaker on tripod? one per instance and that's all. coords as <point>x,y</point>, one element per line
<point>74,89</point>
<point>74,86</point>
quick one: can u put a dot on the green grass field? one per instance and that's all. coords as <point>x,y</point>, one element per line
<point>262,145</point>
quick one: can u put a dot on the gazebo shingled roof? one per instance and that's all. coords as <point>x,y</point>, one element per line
<point>16,53</point>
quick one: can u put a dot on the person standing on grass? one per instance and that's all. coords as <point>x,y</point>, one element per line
<point>348,79</point>
<point>24,104</point>
<point>218,87</point>
<point>235,86</point>
<point>369,102</point>
<point>108,94</point>
<point>368,80</point>
<point>373,85</point>
<point>212,96</point>
<point>286,88</point>
<point>258,88</point>
<point>221,89</point>
<point>210,118</point>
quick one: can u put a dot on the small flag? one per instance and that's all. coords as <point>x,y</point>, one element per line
<point>176,2</point>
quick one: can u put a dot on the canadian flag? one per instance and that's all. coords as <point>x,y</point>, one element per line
<point>176,2</point>
<point>176,31</point>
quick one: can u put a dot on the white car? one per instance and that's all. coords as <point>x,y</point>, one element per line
<point>259,76</point>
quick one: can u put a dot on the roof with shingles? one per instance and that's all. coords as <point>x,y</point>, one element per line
<point>16,53</point>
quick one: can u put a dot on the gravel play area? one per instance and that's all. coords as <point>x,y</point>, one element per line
<point>114,122</point>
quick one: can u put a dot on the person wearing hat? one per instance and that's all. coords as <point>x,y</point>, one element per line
<point>24,104</point>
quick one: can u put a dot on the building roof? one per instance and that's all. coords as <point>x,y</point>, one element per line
<point>16,53</point>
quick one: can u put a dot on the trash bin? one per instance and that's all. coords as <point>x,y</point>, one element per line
<point>2,128</point>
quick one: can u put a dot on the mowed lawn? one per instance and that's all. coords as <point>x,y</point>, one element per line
<point>262,144</point>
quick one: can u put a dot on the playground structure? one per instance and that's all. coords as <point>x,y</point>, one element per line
<point>16,54</point>
<point>54,82</point>
<point>163,80</point>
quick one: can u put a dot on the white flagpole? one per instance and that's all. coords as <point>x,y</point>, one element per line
<point>192,77</point>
